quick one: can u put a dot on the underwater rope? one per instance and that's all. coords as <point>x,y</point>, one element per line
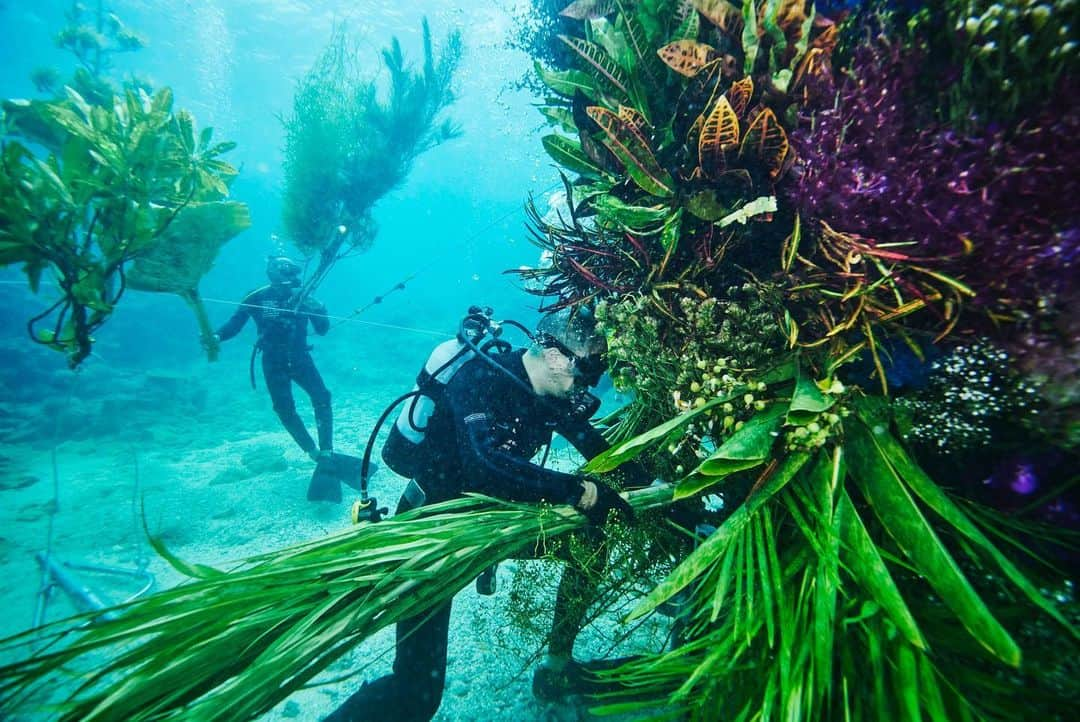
<point>399,286</point>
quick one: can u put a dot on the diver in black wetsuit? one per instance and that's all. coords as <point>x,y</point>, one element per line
<point>281,318</point>
<point>485,429</point>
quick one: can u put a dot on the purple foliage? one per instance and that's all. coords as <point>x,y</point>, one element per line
<point>996,209</point>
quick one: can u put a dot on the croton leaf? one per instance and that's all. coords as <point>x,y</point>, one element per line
<point>638,158</point>
<point>633,218</point>
<point>569,155</point>
<point>690,26</point>
<point>687,57</point>
<point>722,14</point>
<point>633,118</point>
<point>599,60</point>
<point>567,82</point>
<point>719,134</point>
<point>739,94</point>
<point>695,98</point>
<point>636,37</point>
<point>588,9</point>
<point>766,141</point>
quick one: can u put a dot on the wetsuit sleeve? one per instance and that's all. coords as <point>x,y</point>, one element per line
<point>317,313</point>
<point>488,467</point>
<point>236,322</point>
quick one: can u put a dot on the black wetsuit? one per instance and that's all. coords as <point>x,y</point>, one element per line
<point>286,357</point>
<point>484,432</point>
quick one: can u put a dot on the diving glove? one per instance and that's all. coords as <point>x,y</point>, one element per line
<point>608,500</point>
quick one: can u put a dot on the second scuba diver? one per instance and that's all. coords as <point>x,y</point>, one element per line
<point>281,316</point>
<point>493,416</point>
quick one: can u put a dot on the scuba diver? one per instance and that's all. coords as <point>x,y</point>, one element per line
<point>492,416</point>
<point>281,314</point>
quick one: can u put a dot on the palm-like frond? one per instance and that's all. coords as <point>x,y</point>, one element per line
<point>230,645</point>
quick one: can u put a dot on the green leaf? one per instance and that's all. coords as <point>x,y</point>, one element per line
<point>195,571</point>
<point>689,28</point>
<point>750,42</point>
<point>567,82</point>
<point>807,401</point>
<point>627,216</point>
<point>162,102</point>
<point>934,497</point>
<point>559,116</point>
<point>702,559</point>
<point>906,524</point>
<point>629,449</point>
<point>907,682</point>
<point>746,448</point>
<point>51,180</point>
<point>706,205</point>
<point>569,155</point>
<point>669,237</point>
<point>602,64</point>
<point>863,561</point>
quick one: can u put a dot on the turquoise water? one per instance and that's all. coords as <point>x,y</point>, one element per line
<point>148,429</point>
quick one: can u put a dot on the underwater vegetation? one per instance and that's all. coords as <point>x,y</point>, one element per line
<point>129,194</point>
<point>765,225</point>
<point>832,272</point>
<point>347,144</point>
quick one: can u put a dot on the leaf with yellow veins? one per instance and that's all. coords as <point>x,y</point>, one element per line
<point>739,95</point>
<point>687,57</point>
<point>719,133</point>
<point>767,141</point>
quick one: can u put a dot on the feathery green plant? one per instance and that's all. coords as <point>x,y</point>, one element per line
<point>346,146</point>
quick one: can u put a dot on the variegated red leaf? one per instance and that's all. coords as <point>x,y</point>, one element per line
<point>633,118</point>
<point>766,140</point>
<point>719,133</point>
<point>739,95</point>
<point>633,152</point>
<point>687,57</point>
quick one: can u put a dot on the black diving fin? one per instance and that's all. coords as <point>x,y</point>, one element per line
<point>331,472</point>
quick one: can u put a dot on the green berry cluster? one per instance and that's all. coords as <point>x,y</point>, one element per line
<point>815,431</point>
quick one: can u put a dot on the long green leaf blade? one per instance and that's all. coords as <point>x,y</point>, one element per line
<point>906,524</point>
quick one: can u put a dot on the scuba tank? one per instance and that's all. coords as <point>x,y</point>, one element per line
<point>404,451</point>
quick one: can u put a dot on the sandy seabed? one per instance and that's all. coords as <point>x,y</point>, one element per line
<point>219,480</point>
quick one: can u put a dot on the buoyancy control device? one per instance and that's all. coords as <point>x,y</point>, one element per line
<point>404,450</point>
